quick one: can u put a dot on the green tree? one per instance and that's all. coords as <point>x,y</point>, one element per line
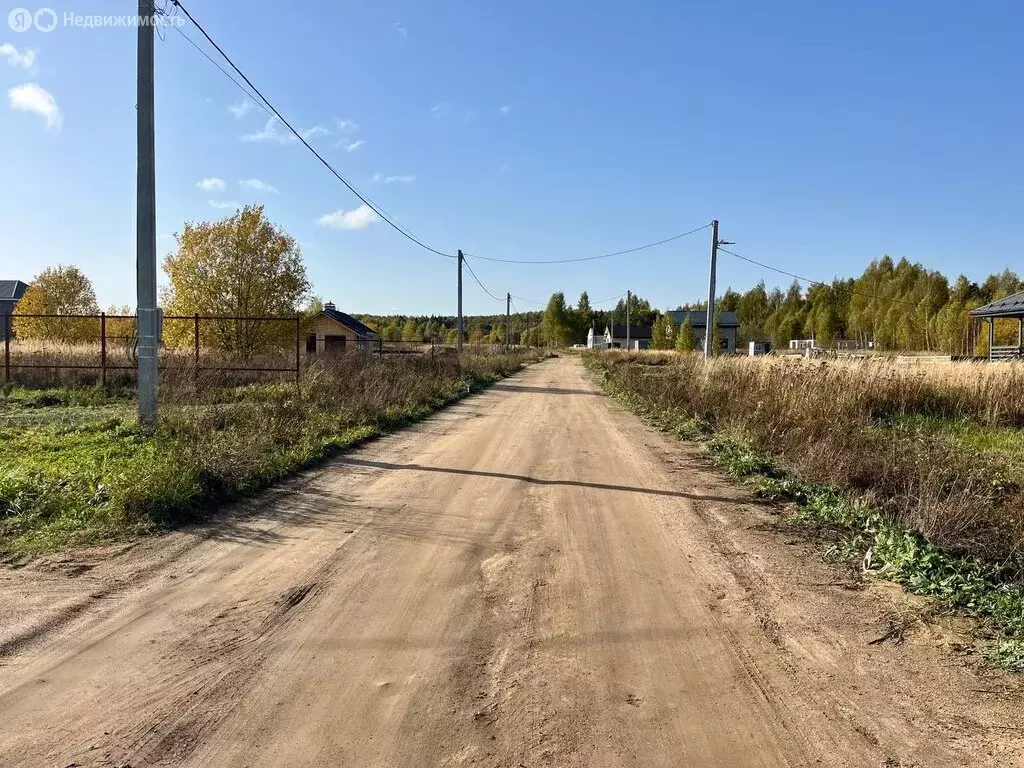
<point>411,331</point>
<point>686,339</point>
<point>584,316</point>
<point>557,327</point>
<point>660,338</point>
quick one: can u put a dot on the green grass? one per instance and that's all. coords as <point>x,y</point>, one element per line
<point>1005,441</point>
<point>75,468</point>
<point>962,584</point>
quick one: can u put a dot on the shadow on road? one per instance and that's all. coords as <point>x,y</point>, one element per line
<point>532,480</point>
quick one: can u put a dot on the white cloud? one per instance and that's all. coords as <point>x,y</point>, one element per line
<point>346,125</point>
<point>441,109</point>
<point>262,186</point>
<point>355,145</point>
<point>242,108</point>
<point>402,31</point>
<point>393,179</point>
<point>315,130</point>
<point>358,218</point>
<point>225,204</point>
<point>505,109</point>
<point>16,58</point>
<point>33,98</point>
<point>274,131</point>
<point>211,185</point>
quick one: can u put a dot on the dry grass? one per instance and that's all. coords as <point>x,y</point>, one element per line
<point>888,431</point>
<point>76,469</point>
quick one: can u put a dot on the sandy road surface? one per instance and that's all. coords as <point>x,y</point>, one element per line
<point>531,578</point>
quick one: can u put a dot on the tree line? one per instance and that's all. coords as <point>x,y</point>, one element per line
<point>245,265</point>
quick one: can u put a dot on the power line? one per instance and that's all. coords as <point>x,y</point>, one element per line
<point>366,201</point>
<point>227,74</point>
<point>815,282</point>
<point>594,258</point>
<point>530,301</point>
<point>465,262</point>
<point>605,301</point>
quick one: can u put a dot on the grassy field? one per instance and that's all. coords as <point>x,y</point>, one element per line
<point>76,469</point>
<point>918,470</point>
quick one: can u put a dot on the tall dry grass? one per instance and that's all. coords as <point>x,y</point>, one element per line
<point>850,425</point>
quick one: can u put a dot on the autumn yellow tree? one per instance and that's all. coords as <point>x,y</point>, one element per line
<point>58,290</point>
<point>240,266</point>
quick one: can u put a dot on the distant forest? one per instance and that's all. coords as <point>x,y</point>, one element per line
<point>897,306</point>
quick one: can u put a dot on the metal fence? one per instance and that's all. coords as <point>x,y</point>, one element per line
<point>105,345</point>
<point>39,348</point>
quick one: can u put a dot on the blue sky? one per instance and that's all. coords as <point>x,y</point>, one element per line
<point>821,134</point>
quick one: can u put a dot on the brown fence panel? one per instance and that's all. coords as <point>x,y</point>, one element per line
<point>53,349</point>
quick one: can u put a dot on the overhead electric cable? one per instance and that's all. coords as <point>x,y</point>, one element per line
<point>366,201</point>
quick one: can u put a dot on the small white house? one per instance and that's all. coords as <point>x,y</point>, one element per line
<point>759,348</point>
<point>596,341</point>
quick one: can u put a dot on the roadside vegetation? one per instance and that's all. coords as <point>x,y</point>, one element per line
<point>76,469</point>
<point>917,470</point>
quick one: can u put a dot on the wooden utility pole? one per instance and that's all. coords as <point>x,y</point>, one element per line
<point>459,342</point>
<point>709,330</point>
<point>508,321</point>
<point>628,297</point>
<point>147,318</point>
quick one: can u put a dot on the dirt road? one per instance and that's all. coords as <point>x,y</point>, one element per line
<point>531,578</point>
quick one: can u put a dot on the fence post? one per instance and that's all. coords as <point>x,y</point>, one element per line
<point>298,351</point>
<point>103,348</point>
<point>195,340</point>
<point>8,330</point>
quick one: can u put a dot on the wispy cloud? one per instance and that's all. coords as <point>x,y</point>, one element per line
<point>225,204</point>
<point>346,125</point>
<point>212,184</point>
<point>358,218</point>
<point>242,108</point>
<point>20,59</point>
<point>355,145</point>
<point>34,98</point>
<point>316,130</point>
<point>441,109</point>
<point>256,184</point>
<point>274,131</point>
<point>380,177</point>
<point>505,109</point>
<point>402,31</point>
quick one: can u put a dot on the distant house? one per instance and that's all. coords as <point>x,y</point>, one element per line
<point>639,337</point>
<point>728,327</point>
<point>11,292</point>
<point>334,332</point>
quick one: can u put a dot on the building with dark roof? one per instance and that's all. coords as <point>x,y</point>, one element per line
<point>1010,308</point>
<point>728,327</point>
<point>334,331</point>
<point>11,292</point>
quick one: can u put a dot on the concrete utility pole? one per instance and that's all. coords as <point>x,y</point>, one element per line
<point>145,219</point>
<point>709,330</point>
<point>629,296</point>
<point>459,343</point>
<point>508,321</point>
